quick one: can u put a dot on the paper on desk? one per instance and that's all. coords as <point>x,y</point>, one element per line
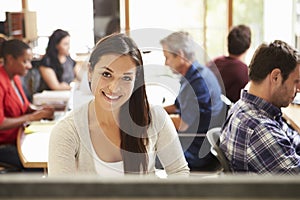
<point>51,97</point>
<point>39,127</point>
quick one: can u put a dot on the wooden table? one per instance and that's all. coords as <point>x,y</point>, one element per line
<point>33,147</point>
<point>292,115</point>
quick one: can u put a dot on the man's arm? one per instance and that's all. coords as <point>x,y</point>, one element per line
<point>171,109</point>
<point>179,124</point>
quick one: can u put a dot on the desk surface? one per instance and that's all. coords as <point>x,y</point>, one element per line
<point>33,146</point>
<point>292,115</point>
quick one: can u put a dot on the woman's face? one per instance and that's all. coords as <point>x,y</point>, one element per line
<point>64,46</point>
<point>21,64</point>
<point>112,80</point>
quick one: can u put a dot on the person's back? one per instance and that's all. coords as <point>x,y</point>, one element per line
<point>211,115</point>
<point>254,137</point>
<point>198,105</point>
<point>233,70</point>
<point>217,106</point>
<point>234,75</point>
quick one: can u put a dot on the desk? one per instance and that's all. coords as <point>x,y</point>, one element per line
<point>292,115</point>
<point>33,147</point>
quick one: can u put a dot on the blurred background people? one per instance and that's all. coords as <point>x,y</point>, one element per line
<point>198,105</point>
<point>57,67</point>
<point>232,68</point>
<point>15,110</point>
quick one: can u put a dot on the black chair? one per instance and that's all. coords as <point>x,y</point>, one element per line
<point>31,80</point>
<point>7,168</point>
<point>213,136</point>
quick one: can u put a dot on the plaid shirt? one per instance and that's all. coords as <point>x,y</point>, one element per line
<point>256,139</point>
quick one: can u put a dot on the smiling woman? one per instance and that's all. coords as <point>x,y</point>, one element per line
<point>117,132</point>
<point>115,83</point>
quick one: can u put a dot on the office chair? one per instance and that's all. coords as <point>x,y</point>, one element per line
<point>226,102</point>
<point>31,80</point>
<point>7,168</point>
<point>213,136</point>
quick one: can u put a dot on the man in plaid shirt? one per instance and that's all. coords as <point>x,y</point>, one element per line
<point>254,137</point>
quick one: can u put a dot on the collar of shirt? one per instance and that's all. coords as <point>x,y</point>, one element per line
<point>195,68</point>
<point>271,110</point>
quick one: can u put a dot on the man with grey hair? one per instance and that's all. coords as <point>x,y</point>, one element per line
<point>198,105</point>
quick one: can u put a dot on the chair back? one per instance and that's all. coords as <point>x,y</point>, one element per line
<point>213,136</point>
<point>228,104</point>
<point>31,81</point>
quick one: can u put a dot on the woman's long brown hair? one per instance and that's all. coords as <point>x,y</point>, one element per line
<point>134,114</point>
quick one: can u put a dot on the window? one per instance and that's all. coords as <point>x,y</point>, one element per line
<point>250,13</point>
<point>206,20</point>
<point>76,17</point>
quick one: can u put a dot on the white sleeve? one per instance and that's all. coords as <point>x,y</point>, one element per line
<point>63,148</point>
<point>169,150</point>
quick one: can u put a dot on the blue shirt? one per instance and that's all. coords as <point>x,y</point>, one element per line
<point>199,98</point>
<point>256,139</point>
<point>199,104</point>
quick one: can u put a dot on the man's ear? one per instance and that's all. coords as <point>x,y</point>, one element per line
<point>181,54</point>
<point>276,76</point>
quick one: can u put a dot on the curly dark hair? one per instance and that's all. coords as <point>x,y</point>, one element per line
<point>277,54</point>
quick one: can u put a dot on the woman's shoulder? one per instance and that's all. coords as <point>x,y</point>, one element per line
<point>71,60</point>
<point>45,61</point>
<point>157,111</point>
<point>4,78</point>
<point>73,120</point>
<point>158,117</point>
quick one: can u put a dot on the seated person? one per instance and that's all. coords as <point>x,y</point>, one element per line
<point>198,105</point>
<point>117,132</point>
<point>255,138</point>
<point>15,109</point>
<point>231,68</point>
<point>57,68</point>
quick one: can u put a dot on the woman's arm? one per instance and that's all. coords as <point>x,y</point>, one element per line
<point>9,123</point>
<point>169,149</point>
<point>50,79</point>
<point>63,148</point>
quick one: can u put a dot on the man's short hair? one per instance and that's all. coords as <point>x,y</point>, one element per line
<point>239,39</point>
<point>266,58</point>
